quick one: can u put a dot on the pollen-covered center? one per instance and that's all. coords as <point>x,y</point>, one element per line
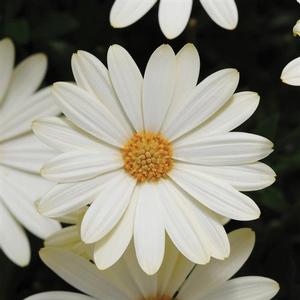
<point>147,156</point>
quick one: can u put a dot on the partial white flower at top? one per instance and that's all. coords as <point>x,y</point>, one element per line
<point>127,281</point>
<point>21,153</point>
<point>153,155</point>
<point>173,14</point>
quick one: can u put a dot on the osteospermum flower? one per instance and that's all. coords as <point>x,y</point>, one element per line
<point>153,155</point>
<point>173,15</point>
<point>126,280</point>
<point>21,153</point>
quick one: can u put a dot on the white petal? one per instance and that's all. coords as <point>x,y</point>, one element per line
<point>149,230</point>
<point>64,237</point>
<point>128,82</point>
<point>26,78</point>
<point>13,240</point>
<point>89,114</point>
<point>251,177</point>
<point>181,224</point>
<point>173,16</point>
<point>291,72</point>
<point>19,120</point>
<point>188,68</point>
<point>24,210</point>
<point>234,113</point>
<point>81,165</point>
<point>109,249</point>
<point>58,295</point>
<point>7,59</point>
<point>124,13</point>
<point>64,136</point>
<point>69,197</point>
<point>233,148</point>
<point>25,153</point>
<point>214,193</point>
<point>296,29</point>
<point>81,274</point>
<point>223,12</point>
<point>110,205</point>
<point>159,83</point>
<point>246,288</point>
<point>203,101</point>
<point>91,75</point>
<point>208,277</point>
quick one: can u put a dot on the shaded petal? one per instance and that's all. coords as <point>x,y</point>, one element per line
<point>58,295</point>
<point>110,205</point>
<point>291,72</point>
<point>124,13</point>
<point>81,165</point>
<point>208,277</point>
<point>159,83</point>
<point>149,230</point>
<point>233,148</point>
<point>223,12</point>
<point>89,114</point>
<point>174,16</point>
<point>13,240</point>
<point>91,75</point>
<point>203,101</point>
<point>128,82</point>
<point>246,288</point>
<point>214,193</point>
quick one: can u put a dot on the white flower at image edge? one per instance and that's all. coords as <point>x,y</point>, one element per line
<point>21,153</point>
<point>126,281</point>
<point>153,155</point>
<point>173,14</point>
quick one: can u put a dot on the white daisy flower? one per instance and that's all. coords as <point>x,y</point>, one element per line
<point>153,155</point>
<point>127,281</point>
<point>21,153</point>
<point>173,15</point>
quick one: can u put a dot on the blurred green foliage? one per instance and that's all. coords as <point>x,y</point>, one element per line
<point>259,48</point>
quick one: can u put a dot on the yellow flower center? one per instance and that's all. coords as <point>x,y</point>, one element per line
<point>147,156</point>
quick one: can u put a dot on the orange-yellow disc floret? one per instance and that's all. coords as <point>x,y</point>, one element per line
<point>147,156</point>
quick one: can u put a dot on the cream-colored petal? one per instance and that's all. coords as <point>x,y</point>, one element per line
<point>59,295</point>
<point>291,72</point>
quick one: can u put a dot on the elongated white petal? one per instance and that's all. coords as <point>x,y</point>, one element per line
<point>234,113</point>
<point>26,78</point>
<point>109,249</point>
<point>64,237</point>
<point>291,72</point>
<point>250,177</point>
<point>223,12</point>
<point>208,277</point>
<point>81,165</point>
<point>24,210</point>
<point>25,153</point>
<point>246,288</point>
<point>59,295</point>
<point>81,274</point>
<point>89,114</point>
<point>64,136</point>
<point>203,101</point>
<point>149,229</point>
<point>69,197</point>
<point>173,16</point>
<point>91,75</point>
<point>233,148</point>
<point>128,82</point>
<point>19,120</point>
<point>124,13</point>
<point>182,226</point>
<point>159,82</point>
<point>188,68</point>
<point>13,240</point>
<point>110,205</point>
<point>7,59</point>
<point>214,193</point>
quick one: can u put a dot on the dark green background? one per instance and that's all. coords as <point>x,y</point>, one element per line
<point>259,48</point>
